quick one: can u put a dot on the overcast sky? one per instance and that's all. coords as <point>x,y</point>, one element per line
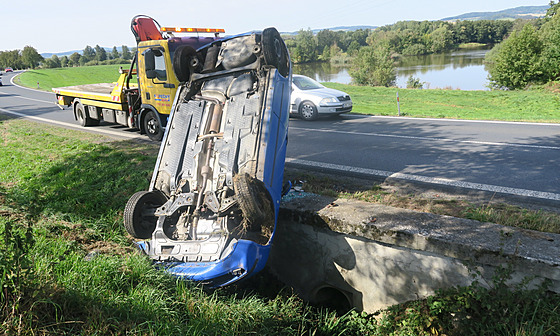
<point>64,25</point>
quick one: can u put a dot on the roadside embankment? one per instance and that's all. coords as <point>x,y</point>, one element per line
<point>371,256</point>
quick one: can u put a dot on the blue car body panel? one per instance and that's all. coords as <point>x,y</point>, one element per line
<point>220,167</point>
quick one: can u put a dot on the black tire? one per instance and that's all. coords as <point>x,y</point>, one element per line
<point>308,111</point>
<point>152,126</point>
<point>254,201</point>
<point>83,117</point>
<point>139,220</point>
<point>184,61</point>
<point>275,51</point>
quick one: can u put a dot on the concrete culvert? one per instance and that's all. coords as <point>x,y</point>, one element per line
<point>332,298</point>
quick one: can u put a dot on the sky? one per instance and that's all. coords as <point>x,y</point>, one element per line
<point>64,25</point>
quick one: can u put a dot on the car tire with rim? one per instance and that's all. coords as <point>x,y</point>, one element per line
<point>152,126</point>
<point>308,111</point>
<point>274,51</point>
<point>184,62</point>
<point>254,201</point>
<point>139,220</point>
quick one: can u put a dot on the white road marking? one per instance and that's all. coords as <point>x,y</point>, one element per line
<point>504,144</point>
<point>432,180</point>
<point>65,124</point>
<point>357,116</point>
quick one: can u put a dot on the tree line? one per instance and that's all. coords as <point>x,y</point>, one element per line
<point>29,58</point>
<point>91,56</point>
<point>525,51</point>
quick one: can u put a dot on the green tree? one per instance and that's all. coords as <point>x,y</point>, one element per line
<point>515,62</point>
<point>53,62</point>
<point>306,47</point>
<point>373,67</point>
<point>88,54</point>
<point>441,39</point>
<point>551,12</point>
<point>75,59</point>
<point>550,56</point>
<point>126,53</point>
<point>11,58</point>
<point>353,48</point>
<point>115,53</point>
<point>100,53</point>
<point>30,57</point>
<point>325,39</point>
<point>64,61</point>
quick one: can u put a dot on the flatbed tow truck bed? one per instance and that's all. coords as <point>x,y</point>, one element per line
<point>107,92</point>
<point>103,89</point>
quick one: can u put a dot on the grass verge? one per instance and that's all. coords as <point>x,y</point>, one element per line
<point>530,105</point>
<point>67,266</point>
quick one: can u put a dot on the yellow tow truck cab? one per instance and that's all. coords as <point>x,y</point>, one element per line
<point>146,105</point>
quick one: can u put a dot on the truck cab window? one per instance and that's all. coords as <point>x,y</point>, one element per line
<point>155,64</point>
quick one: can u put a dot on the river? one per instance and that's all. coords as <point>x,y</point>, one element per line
<point>461,69</point>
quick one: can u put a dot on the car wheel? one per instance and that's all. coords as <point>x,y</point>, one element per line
<point>139,218</point>
<point>254,201</point>
<point>274,51</point>
<point>184,61</point>
<point>308,111</point>
<point>152,126</point>
<point>82,117</point>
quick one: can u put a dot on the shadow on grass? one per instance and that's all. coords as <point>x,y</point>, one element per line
<point>90,184</point>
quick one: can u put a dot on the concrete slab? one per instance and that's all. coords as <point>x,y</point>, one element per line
<point>370,256</point>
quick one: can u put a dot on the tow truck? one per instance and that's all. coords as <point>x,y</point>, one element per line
<point>144,105</point>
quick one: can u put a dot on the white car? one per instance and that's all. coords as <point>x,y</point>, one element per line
<point>311,99</point>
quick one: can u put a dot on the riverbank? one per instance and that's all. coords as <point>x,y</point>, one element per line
<point>529,105</point>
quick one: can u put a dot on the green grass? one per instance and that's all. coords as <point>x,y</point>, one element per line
<point>67,266</point>
<point>51,78</point>
<point>538,105</point>
<point>531,105</point>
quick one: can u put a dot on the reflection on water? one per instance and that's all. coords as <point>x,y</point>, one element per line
<point>462,69</point>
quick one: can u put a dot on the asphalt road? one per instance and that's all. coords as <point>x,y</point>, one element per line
<point>521,159</point>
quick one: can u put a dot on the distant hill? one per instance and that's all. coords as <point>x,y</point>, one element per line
<point>340,28</point>
<point>523,12</point>
<point>68,53</point>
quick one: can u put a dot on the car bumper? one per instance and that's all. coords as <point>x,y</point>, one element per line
<point>246,259</point>
<point>334,109</point>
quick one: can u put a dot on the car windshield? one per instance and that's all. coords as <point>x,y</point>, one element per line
<point>306,83</point>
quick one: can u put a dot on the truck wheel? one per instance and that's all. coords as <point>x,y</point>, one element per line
<point>139,218</point>
<point>254,201</point>
<point>152,127</point>
<point>274,51</point>
<point>82,116</point>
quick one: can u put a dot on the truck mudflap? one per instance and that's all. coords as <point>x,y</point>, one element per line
<point>211,210</point>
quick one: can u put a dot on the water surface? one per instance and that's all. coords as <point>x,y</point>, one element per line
<point>462,69</point>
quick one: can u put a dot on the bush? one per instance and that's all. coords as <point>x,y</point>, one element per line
<point>516,61</point>
<point>373,67</point>
<point>414,83</point>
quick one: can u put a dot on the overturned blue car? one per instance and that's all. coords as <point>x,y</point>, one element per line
<point>210,212</point>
